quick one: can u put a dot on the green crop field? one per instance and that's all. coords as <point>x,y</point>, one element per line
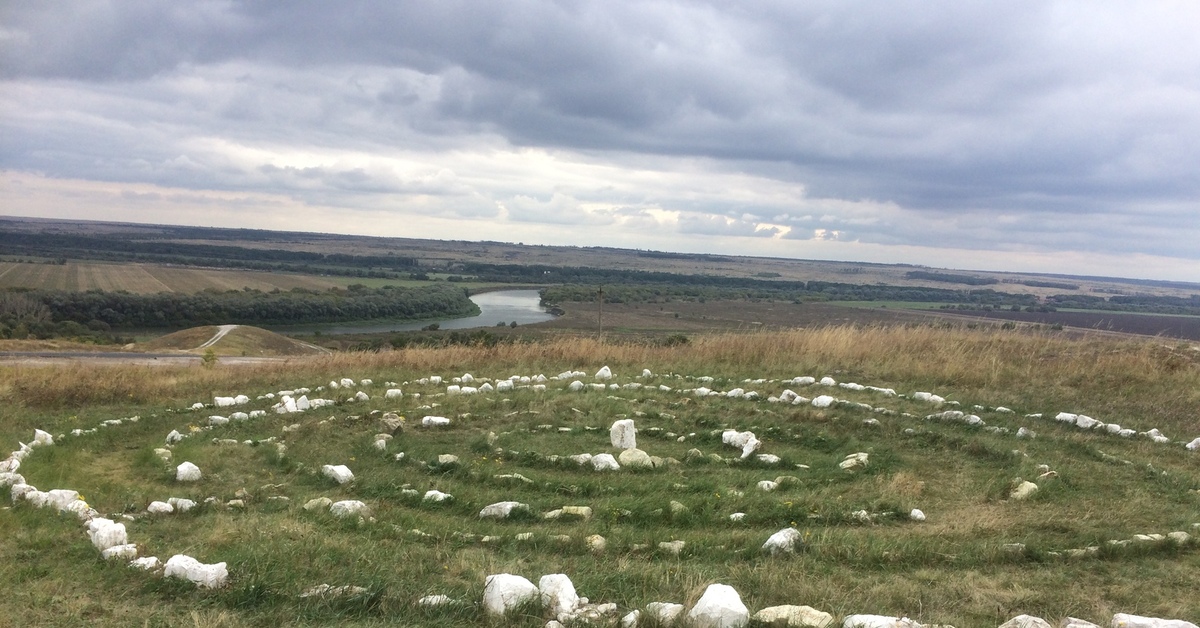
<point>635,535</point>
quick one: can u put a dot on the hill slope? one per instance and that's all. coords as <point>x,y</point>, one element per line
<point>233,340</point>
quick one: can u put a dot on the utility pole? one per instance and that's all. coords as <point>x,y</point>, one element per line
<point>600,309</point>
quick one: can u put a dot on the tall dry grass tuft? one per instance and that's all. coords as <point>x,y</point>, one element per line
<point>1001,367</point>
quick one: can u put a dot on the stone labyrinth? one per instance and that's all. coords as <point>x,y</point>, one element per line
<point>661,467</point>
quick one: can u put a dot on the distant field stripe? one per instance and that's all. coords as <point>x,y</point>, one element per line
<point>152,278</point>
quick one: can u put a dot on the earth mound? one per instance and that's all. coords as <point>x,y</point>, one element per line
<point>231,340</point>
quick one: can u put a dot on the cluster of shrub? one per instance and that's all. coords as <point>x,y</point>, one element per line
<point>24,317</point>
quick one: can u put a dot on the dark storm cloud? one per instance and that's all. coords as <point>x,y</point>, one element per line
<point>1051,125</point>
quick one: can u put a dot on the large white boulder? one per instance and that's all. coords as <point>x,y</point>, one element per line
<point>604,373</point>
<point>623,434</point>
<point>188,568</point>
<point>1194,445</point>
<point>41,437</point>
<point>1122,620</point>
<point>719,607</point>
<point>105,533</point>
<point>1026,621</point>
<point>505,592</point>
<point>1071,622</point>
<point>635,459</point>
<point>785,541</point>
<point>789,616</point>
<point>558,594</point>
<point>187,472</point>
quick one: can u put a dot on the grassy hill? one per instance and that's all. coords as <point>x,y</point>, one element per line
<point>242,340</point>
<point>979,558</point>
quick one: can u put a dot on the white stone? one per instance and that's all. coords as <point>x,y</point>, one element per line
<point>348,508</point>
<point>434,601</point>
<point>916,515</point>
<point>635,459</point>
<point>501,510</point>
<point>623,434</point>
<point>436,496</point>
<point>878,621</point>
<point>1024,490</point>
<point>596,543</point>
<point>665,613</point>
<point>789,616</point>
<point>604,462</point>
<point>339,473</point>
<point>719,607</point>
<point>1072,622</point>
<point>393,393</point>
<point>207,576</point>
<point>575,386</point>
<point>434,421</point>
<point>1026,621</point>
<point>1123,620</point>
<point>105,533</point>
<point>823,401</point>
<point>1194,445</point>
<point>767,485</point>
<point>630,620</point>
<point>672,547</point>
<point>784,541</point>
<point>160,508</point>
<point>604,373</point>
<point>147,563</point>
<point>854,461</point>
<point>558,594</point>
<point>180,504</point>
<point>187,472</point>
<point>505,592</point>
<point>125,552</point>
<point>318,504</point>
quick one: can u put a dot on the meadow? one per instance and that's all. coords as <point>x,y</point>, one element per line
<point>979,557</point>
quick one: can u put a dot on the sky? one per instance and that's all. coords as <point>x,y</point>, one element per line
<point>1037,136</point>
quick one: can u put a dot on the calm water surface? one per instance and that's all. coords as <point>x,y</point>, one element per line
<point>501,306</point>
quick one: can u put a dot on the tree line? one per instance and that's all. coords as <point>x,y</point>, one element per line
<point>167,310</point>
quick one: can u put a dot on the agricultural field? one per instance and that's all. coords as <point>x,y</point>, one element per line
<point>890,469</point>
<point>148,278</point>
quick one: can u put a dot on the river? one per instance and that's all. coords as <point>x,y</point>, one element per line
<point>500,306</point>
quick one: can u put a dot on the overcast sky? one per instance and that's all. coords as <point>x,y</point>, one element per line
<point>1042,136</point>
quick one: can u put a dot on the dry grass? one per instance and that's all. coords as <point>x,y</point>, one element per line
<point>997,367</point>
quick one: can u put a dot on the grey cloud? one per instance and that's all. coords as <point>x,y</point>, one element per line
<point>1076,121</point>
